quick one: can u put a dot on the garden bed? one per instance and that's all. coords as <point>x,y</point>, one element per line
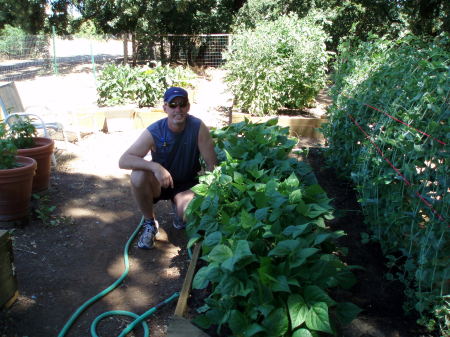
<point>58,268</point>
<point>380,299</point>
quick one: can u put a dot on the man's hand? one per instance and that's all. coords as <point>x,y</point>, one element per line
<point>163,176</point>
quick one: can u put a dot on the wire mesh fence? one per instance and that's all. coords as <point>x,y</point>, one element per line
<point>194,50</point>
<point>25,57</point>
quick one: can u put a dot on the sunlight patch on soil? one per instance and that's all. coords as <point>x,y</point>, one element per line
<point>104,216</point>
<point>172,273</point>
<point>116,267</point>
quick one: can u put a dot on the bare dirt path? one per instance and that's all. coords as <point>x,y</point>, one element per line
<point>59,268</point>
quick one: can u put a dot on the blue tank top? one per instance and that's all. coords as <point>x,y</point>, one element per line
<point>184,163</point>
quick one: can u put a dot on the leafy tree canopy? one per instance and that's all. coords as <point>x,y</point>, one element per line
<point>355,18</point>
<point>27,14</point>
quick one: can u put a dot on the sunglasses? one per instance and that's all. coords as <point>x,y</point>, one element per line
<point>173,105</point>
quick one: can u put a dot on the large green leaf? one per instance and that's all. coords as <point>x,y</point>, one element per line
<point>238,322</point>
<point>284,248</point>
<point>201,279</point>
<point>317,317</point>
<point>295,231</point>
<point>347,312</point>
<point>295,196</point>
<point>292,181</point>
<point>281,284</point>
<point>300,256</point>
<point>314,294</point>
<point>277,323</point>
<point>200,189</point>
<point>302,333</point>
<point>213,239</point>
<point>247,220</point>
<point>242,254</point>
<point>297,310</point>
<point>219,254</point>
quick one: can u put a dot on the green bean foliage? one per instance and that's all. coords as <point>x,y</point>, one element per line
<point>270,259</point>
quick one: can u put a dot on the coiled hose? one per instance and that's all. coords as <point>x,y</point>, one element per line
<point>139,319</point>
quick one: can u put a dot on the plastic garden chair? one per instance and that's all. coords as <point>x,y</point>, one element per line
<point>12,108</point>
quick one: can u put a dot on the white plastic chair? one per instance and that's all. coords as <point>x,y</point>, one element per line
<point>12,107</point>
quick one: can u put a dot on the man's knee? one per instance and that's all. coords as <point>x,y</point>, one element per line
<point>139,178</point>
<point>145,181</point>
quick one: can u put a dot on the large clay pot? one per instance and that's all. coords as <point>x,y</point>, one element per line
<point>41,152</point>
<point>15,189</point>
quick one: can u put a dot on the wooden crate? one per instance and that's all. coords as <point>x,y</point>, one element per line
<point>8,281</point>
<point>299,126</point>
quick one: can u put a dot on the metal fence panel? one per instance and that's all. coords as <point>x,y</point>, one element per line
<point>195,50</point>
<point>25,57</point>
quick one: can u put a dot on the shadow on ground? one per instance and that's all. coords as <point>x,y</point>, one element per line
<point>59,268</point>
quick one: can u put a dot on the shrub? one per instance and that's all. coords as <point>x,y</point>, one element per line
<point>144,86</point>
<point>279,64</point>
<point>408,80</point>
<point>15,43</point>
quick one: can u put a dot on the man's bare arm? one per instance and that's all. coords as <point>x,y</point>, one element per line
<point>133,159</point>
<point>206,147</point>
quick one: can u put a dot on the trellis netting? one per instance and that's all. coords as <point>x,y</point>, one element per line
<point>389,131</point>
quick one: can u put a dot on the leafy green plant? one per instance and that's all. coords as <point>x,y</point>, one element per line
<point>279,64</point>
<point>7,150</point>
<point>407,209</point>
<point>271,260</point>
<point>144,86</point>
<point>22,133</point>
<point>46,212</point>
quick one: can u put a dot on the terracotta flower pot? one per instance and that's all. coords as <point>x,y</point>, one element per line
<point>41,152</point>
<point>15,189</point>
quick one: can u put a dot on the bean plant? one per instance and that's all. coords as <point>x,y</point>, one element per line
<point>389,131</point>
<point>144,86</point>
<point>270,259</point>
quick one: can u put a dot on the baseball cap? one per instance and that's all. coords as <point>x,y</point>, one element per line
<point>173,92</point>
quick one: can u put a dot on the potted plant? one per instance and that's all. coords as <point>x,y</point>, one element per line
<point>23,134</point>
<point>16,178</point>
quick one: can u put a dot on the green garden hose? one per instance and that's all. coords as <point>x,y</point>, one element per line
<point>138,319</point>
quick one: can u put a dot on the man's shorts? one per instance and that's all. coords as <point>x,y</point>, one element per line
<point>169,193</point>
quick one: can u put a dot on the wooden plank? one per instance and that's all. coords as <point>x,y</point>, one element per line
<point>8,282</point>
<point>11,301</point>
<point>184,294</point>
<point>181,327</point>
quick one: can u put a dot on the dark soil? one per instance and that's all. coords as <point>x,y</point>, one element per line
<point>380,299</point>
<point>60,267</point>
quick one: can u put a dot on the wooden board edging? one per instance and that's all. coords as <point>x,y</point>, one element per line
<point>186,288</point>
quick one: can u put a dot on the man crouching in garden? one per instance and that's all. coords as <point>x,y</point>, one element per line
<point>176,143</point>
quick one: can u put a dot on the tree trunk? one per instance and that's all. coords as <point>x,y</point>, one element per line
<point>134,48</point>
<point>125,48</point>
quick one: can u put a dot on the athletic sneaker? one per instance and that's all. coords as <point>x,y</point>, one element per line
<point>147,239</point>
<point>178,223</point>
